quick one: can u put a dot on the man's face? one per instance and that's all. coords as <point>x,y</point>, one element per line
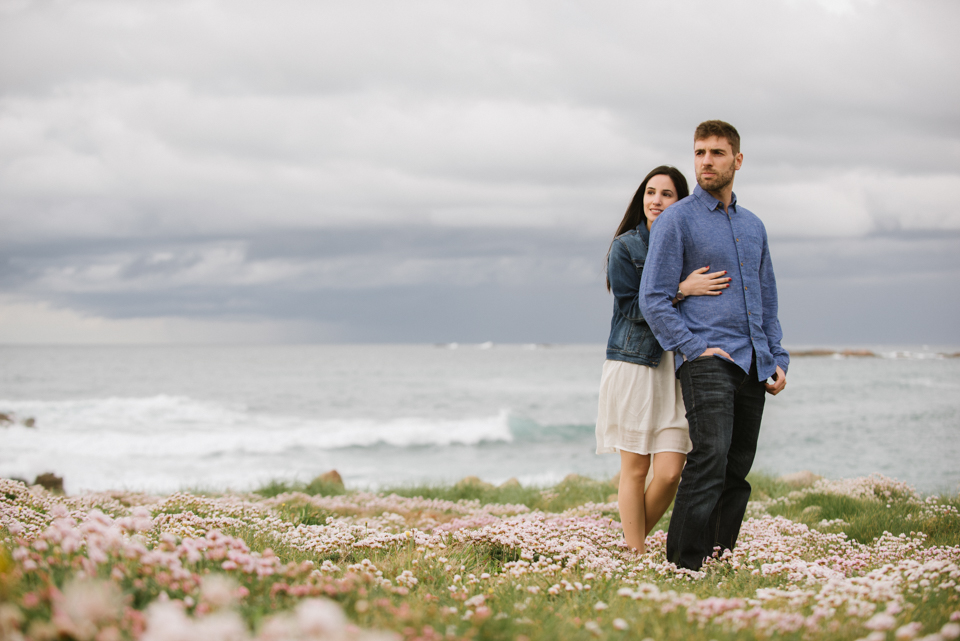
<point>715,163</point>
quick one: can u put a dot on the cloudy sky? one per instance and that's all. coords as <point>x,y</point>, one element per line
<point>360,171</point>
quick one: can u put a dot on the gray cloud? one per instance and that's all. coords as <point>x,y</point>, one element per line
<point>463,166</point>
<point>435,284</point>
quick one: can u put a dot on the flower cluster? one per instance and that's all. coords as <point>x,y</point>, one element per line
<point>874,487</point>
<point>134,566</point>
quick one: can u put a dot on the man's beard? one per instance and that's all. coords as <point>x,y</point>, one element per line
<point>716,183</point>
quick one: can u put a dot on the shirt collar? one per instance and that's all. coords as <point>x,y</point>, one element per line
<point>712,203</point>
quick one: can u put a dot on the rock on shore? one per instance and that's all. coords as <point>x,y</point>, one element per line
<point>805,478</point>
<point>9,418</point>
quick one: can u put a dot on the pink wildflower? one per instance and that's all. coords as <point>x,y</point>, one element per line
<point>85,606</point>
<point>278,628</point>
<point>222,626</point>
<point>908,631</point>
<point>321,618</point>
<point>880,621</point>
<point>218,591</point>
<point>475,601</point>
<point>166,622</point>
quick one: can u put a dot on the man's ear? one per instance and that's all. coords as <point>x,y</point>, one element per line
<point>738,161</point>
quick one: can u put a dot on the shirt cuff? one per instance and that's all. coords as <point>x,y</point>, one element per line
<point>783,363</point>
<point>693,348</point>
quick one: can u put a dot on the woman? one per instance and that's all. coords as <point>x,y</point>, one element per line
<point>641,408</point>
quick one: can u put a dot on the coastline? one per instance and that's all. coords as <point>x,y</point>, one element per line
<point>390,415</point>
<point>871,353</point>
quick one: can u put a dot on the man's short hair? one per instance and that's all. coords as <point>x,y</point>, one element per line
<point>720,129</point>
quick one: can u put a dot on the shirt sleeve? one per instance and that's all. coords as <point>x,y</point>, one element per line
<point>768,294</point>
<point>624,281</point>
<point>658,286</point>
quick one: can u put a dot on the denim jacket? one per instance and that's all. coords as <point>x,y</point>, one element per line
<point>631,339</point>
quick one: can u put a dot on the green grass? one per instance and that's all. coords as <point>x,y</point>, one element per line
<point>315,487</point>
<point>538,617</point>
<point>767,485</point>
<point>866,520</point>
<point>571,492</point>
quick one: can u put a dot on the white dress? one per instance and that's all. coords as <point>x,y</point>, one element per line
<point>641,409</point>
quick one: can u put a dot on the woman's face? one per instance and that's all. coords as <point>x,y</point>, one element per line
<point>659,194</point>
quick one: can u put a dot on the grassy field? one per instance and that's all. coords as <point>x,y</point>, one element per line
<point>849,559</point>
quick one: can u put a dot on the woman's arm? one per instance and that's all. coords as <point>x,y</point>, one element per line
<point>624,280</point>
<point>700,283</point>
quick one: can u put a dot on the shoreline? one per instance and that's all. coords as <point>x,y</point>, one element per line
<point>470,487</point>
<point>868,353</point>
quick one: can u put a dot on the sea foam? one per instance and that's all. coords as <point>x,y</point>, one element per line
<point>171,424</point>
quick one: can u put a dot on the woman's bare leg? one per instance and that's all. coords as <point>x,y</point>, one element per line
<point>630,498</point>
<point>666,477</point>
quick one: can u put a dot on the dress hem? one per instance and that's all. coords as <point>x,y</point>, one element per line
<point>614,450</point>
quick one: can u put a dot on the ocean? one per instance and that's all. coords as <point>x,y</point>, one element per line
<point>215,417</point>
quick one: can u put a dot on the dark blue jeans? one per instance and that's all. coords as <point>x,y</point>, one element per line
<point>724,407</point>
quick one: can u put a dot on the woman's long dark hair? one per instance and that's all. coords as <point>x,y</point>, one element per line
<point>634,215</point>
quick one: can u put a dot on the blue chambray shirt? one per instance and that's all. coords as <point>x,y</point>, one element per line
<point>696,232</point>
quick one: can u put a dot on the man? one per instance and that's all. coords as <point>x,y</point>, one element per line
<point>726,347</point>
